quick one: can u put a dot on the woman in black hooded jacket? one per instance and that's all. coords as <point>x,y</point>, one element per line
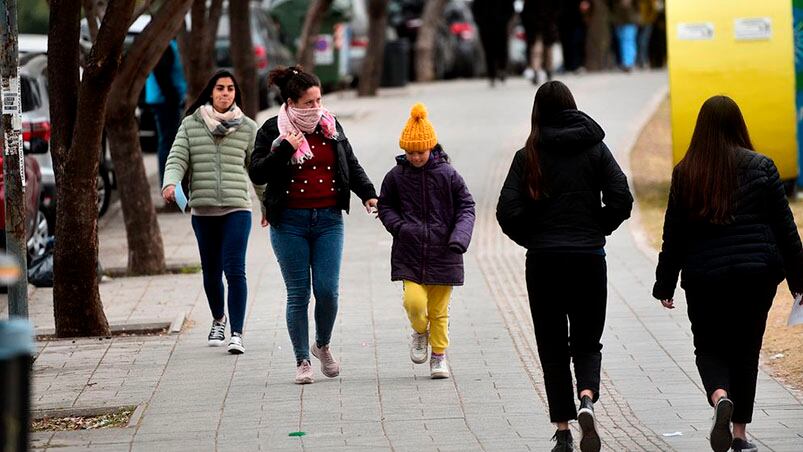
<point>729,229</point>
<point>564,193</point>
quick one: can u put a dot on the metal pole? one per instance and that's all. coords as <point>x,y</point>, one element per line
<point>13,158</point>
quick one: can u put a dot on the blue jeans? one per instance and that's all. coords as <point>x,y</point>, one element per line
<point>304,240</point>
<point>222,242</point>
<point>627,44</point>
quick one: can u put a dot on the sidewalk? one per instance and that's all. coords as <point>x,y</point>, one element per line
<point>197,398</point>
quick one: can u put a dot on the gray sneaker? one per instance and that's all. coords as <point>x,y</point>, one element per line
<point>438,367</point>
<point>419,351</point>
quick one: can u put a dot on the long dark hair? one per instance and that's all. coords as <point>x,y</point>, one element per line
<point>705,178</point>
<point>206,94</point>
<point>292,81</point>
<point>551,99</point>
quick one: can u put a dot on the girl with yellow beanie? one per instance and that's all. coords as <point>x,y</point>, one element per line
<point>426,207</point>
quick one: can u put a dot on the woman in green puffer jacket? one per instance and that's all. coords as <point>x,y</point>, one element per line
<point>214,145</point>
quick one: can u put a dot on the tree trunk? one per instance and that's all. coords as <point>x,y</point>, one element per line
<point>371,71</point>
<point>75,147</point>
<point>145,247</point>
<point>425,43</point>
<point>309,33</point>
<point>598,42</point>
<point>242,54</point>
<point>199,46</point>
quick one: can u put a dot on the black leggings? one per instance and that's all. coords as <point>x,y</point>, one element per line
<point>568,296</point>
<point>728,321</point>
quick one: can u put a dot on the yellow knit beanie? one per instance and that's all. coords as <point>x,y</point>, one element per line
<point>418,134</point>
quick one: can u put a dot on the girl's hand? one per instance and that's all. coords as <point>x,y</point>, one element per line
<point>264,222</point>
<point>169,193</point>
<point>370,206</point>
<point>668,304</point>
<point>294,138</point>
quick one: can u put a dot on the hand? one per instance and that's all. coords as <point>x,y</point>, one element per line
<point>585,5</point>
<point>668,304</point>
<point>370,206</point>
<point>264,222</point>
<point>795,295</point>
<point>169,193</point>
<point>295,139</point>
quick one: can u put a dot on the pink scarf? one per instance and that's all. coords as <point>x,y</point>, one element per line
<point>305,120</point>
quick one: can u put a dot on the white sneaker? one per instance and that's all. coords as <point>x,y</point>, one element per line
<point>236,346</point>
<point>418,347</point>
<point>438,367</point>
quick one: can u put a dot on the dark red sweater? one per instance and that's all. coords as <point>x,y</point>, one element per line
<point>312,184</point>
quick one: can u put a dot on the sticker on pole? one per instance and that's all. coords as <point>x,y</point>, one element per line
<point>701,31</point>
<point>324,50</point>
<point>11,95</point>
<point>753,29</point>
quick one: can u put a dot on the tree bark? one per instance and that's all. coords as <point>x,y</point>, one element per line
<point>145,247</point>
<point>425,43</point>
<point>598,41</point>
<point>371,71</point>
<point>242,54</point>
<point>75,144</point>
<point>312,24</point>
<point>199,46</point>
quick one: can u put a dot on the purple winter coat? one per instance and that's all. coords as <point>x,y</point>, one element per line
<point>430,214</point>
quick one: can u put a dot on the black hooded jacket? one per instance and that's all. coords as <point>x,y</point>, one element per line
<point>586,193</point>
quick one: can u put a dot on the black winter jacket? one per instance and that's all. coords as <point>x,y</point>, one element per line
<point>761,241</point>
<point>272,167</point>
<point>577,169</point>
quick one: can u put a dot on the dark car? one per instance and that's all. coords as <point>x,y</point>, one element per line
<point>268,51</point>
<point>37,232</point>
<point>469,58</point>
<point>405,16</point>
<point>36,127</point>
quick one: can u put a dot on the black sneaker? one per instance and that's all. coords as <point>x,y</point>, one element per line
<point>585,417</point>
<point>721,436</point>
<point>564,441</point>
<point>217,335</point>
<point>743,445</point>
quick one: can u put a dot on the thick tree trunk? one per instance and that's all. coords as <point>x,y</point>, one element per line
<point>598,41</point>
<point>75,146</point>
<point>371,71</point>
<point>242,53</point>
<point>145,247</point>
<point>199,47</point>
<point>312,24</point>
<point>425,43</point>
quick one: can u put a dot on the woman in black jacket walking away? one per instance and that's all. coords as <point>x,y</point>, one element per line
<point>564,193</point>
<point>730,231</point>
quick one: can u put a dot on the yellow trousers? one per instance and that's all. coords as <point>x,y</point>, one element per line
<point>427,306</point>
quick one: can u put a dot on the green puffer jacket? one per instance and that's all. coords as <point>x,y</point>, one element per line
<point>218,166</point>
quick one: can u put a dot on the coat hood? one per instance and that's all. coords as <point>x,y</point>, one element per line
<point>571,130</point>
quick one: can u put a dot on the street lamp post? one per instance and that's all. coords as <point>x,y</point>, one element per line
<point>13,158</point>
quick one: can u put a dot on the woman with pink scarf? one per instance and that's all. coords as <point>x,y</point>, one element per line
<point>310,170</point>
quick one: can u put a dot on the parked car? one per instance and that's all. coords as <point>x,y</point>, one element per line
<point>405,17</point>
<point>469,57</point>
<point>37,232</point>
<point>36,130</point>
<point>268,51</point>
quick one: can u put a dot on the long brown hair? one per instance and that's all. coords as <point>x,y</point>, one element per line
<point>551,99</point>
<point>706,176</point>
<point>205,97</point>
<point>292,81</point>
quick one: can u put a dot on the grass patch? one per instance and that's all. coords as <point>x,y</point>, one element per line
<point>117,419</point>
<point>651,163</point>
<point>175,269</point>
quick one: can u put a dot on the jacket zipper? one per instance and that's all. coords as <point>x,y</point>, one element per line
<point>426,223</point>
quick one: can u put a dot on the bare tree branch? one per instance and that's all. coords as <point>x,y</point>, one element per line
<point>312,24</point>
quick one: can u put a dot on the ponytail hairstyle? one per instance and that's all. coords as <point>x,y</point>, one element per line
<point>705,178</point>
<point>206,94</point>
<point>292,82</point>
<point>551,99</point>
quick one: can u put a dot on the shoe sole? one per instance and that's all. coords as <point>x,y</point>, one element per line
<point>590,441</point>
<point>305,381</point>
<point>323,370</point>
<point>236,350</point>
<point>216,343</point>
<point>439,375</point>
<point>721,436</point>
<point>420,360</point>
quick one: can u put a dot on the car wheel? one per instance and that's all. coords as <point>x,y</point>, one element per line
<point>41,234</point>
<point>104,191</point>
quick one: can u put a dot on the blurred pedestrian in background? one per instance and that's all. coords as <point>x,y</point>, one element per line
<point>572,30</point>
<point>540,21</point>
<point>493,20</point>
<point>165,90</point>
